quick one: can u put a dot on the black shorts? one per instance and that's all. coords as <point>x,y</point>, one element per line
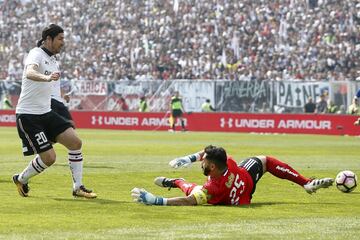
<point>254,167</point>
<point>176,113</point>
<point>38,132</point>
<point>60,109</point>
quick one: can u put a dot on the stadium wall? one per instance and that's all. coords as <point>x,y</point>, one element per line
<point>226,96</point>
<point>212,122</point>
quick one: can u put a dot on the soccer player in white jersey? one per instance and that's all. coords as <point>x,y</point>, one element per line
<point>38,126</point>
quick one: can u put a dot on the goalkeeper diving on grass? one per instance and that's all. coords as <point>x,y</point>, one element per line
<point>228,183</point>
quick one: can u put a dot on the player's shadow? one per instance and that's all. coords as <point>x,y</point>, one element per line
<point>264,204</point>
<point>257,204</point>
<point>88,166</point>
<point>100,201</point>
<point>5,181</point>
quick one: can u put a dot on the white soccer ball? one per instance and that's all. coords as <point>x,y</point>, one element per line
<point>346,181</point>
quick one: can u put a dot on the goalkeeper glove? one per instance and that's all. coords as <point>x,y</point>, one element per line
<point>185,161</point>
<point>180,162</point>
<point>143,196</point>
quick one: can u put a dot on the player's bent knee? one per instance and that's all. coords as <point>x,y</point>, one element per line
<point>75,144</point>
<point>263,161</point>
<point>70,140</point>
<point>78,143</point>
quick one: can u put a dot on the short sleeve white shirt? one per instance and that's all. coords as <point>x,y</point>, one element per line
<point>35,97</point>
<point>56,91</point>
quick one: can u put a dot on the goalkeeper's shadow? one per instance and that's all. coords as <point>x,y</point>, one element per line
<point>100,201</point>
<point>264,204</point>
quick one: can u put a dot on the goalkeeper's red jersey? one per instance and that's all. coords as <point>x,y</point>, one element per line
<point>234,187</point>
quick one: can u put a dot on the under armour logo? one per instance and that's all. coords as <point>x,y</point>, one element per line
<point>228,122</point>
<point>95,120</point>
<point>222,122</point>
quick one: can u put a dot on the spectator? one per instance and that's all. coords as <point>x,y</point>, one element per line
<point>310,106</point>
<point>342,110</point>
<point>207,107</point>
<point>7,102</point>
<point>123,105</point>
<point>331,107</point>
<point>321,106</point>
<point>143,107</point>
<point>354,107</point>
<point>293,40</point>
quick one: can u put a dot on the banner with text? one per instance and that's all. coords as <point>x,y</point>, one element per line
<point>242,96</point>
<point>85,88</point>
<point>226,96</point>
<point>295,94</point>
<point>213,122</point>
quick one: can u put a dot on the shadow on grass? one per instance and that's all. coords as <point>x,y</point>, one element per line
<point>261,204</point>
<point>100,201</point>
<point>6,181</point>
<point>67,165</point>
<point>265,204</point>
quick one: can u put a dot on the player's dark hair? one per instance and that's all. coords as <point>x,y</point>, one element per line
<point>216,155</point>
<point>52,31</point>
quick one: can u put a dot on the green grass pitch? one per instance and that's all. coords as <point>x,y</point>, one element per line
<point>117,161</point>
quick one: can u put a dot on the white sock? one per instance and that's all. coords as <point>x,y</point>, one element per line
<point>35,167</point>
<point>76,167</point>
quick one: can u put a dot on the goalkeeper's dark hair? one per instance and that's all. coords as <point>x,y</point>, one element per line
<point>50,31</point>
<point>216,155</point>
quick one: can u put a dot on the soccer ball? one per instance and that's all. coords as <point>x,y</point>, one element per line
<point>346,181</point>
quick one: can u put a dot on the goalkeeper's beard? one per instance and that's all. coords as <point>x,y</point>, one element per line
<point>206,170</point>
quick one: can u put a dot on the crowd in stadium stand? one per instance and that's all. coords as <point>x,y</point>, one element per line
<point>189,39</point>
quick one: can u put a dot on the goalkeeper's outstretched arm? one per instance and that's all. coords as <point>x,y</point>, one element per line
<point>197,156</point>
<point>182,201</point>
<point>186,161</point>
<point>145,197</point>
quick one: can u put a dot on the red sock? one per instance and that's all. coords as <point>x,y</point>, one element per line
<point>185,186</point>
<point>284,171</point>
